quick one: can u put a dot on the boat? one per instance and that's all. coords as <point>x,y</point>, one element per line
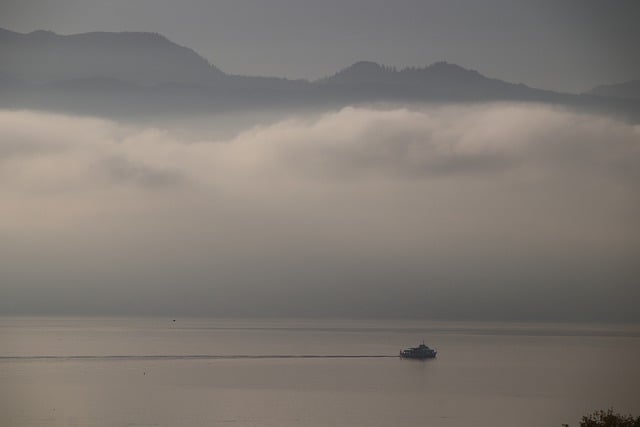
<point>419,352</point>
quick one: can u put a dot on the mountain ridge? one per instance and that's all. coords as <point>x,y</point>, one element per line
<point>99,38</point>
<point>141,73</point>
<point>626,90</point>
<point>139,57</point>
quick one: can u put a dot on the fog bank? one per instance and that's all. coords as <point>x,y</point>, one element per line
<point>504,211</point>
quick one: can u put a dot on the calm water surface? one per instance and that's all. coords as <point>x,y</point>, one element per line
<point>142,372</point>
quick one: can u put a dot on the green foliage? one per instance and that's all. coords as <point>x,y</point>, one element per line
<point>609,419</point>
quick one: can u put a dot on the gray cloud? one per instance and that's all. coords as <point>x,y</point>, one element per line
<point>122,170</point>
<point>492,211</point>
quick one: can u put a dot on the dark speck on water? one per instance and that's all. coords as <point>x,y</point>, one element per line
<point>287,373</point>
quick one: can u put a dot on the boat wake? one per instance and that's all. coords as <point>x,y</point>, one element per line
<point>194,357</point>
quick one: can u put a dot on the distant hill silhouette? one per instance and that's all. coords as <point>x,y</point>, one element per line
<point>628,90</point>
<point>135,74</point>
<point>142,58</point>
<point>439,81</point>
<point>440,73</point>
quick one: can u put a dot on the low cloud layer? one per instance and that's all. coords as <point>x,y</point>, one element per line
<point>488,211</point>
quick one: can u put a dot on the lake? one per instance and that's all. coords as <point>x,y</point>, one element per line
<point>64,371</point>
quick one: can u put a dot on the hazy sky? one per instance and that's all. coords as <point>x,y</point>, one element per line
<point>564,45</point>
<point>507,211</point>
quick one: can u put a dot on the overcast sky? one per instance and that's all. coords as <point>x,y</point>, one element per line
<point>564,45</point>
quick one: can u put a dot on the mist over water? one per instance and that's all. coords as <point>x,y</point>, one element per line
<point>486,211</point>
<point>467,212</point>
